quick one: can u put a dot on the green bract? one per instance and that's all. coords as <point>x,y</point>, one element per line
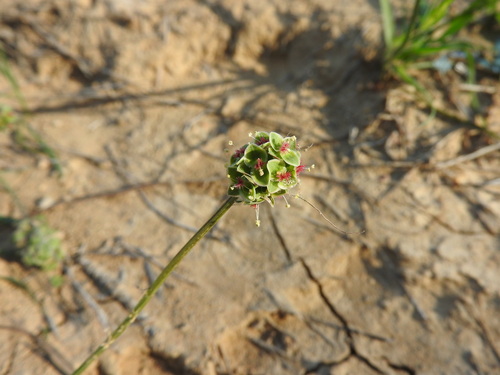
<point>265,168</point>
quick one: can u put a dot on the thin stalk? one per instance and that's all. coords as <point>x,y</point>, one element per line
<point>157,283</point>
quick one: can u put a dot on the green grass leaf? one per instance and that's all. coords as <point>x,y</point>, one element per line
<point>387,23</point>
<point>435,15</point>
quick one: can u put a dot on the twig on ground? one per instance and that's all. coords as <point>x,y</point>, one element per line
<point>468,157</point>
<point>470,87</point>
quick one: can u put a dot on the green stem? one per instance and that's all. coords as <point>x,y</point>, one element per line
<point>157,283</point>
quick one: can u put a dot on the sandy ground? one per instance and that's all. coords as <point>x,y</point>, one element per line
<point>140,99</point>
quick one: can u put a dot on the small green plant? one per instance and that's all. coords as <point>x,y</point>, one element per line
<point>37,244</point>
<point>430,33</point>
<point>33,243</point>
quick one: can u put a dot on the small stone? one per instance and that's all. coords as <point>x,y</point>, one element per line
<point>45,203</point>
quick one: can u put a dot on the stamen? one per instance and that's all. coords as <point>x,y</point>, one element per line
<point>287,204</point>
<point>285,147</point>
<point>324,217</point>
<point>259,166</point>
<point>260,141</point>
<point>283,176</point>
<point>238,184</point>
<point>257,221</point>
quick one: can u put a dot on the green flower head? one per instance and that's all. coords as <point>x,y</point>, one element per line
<point>265,168</point>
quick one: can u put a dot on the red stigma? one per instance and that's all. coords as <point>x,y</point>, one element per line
<point>283,176</point>
<point>285,147</point>
<point>239,153</point>
<point>259,164</point>
<point>261,141</point>
<point>239,184</point>
<point>300,168</point>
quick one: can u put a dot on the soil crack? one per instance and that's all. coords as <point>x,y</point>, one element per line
<point>401,368</point>
<point>353,351</point>
<point>281,239</point>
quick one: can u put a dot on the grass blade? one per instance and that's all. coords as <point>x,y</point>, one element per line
<point>387,23</point>
<point>435,15</point>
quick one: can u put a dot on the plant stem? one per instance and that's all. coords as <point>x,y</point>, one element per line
<point>157,283</point>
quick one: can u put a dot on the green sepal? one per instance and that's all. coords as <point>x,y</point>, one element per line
<point>292,142</point>
<point>261,138</point>
<point>260,176</point>
<point>277,167</point>
<point>253,153</point>
<point>292,181</point>
<point>244,169</point>
<point>279,193</point>
<point>253,195</point>
<point>232,173</point>
<point>245,195</point>
<point>274,167</point>
<point>276,154</point>
<point>291,157</point>
<point>272,186</point>
<point>260,194</point>
<point>254,165</point>
<point>276,141</point>
<point>270,200</point>
<point>236,177</point>
<point>233,192</point>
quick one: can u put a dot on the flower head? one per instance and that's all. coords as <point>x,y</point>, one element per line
<point>265,168</point>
